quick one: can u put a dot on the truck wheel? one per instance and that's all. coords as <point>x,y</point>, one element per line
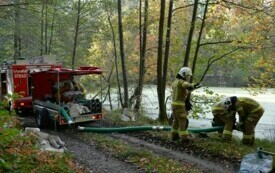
<point>42,118</point>
<point>20,113</point>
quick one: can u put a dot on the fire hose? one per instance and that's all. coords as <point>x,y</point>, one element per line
<point>65,115</point>
<point>146,128</point>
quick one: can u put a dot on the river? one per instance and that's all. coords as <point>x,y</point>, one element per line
<point>264,129</point>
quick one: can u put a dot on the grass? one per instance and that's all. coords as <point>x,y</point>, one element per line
<point>145,160</point>
<point>114,117</point>
<point>213,144</point>
<point>20,152</point>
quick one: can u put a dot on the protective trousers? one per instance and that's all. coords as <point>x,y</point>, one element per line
<point>180,123</point>
<point>228,125</point>
<point>250,123</point>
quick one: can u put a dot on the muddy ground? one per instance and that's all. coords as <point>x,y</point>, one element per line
<point>94,160</point>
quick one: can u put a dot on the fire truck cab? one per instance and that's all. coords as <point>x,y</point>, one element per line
<point>16,83</point>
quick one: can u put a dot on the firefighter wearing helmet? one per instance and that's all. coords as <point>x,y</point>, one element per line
<point>249,111</point>
<point>222,117</point>
<point>181,88</point>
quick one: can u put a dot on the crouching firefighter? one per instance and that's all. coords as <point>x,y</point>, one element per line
<point>249,111</point>
<point>181,88</point>
<point>222,117</point>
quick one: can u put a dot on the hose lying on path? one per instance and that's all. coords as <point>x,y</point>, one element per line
<point>146,128</point>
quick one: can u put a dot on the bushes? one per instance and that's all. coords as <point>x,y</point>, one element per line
<point>19,152</point>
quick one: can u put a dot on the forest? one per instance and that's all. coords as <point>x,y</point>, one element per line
<point>139,42</point>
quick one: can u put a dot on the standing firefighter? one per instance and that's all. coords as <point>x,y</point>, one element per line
<point>225,118</point>
<point>181,88</point>
<point>249,111</point>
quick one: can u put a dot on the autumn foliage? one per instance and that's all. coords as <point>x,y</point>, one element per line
<point>20,152</point>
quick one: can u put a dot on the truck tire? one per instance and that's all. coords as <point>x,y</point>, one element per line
<point>42,118</point>
<point>20,113</point>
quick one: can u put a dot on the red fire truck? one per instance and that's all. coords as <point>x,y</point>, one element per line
<point>58,97</point>
<point>16,82</point>
<point>50,92</point>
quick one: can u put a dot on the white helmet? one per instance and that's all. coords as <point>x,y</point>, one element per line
<point>185,71</point>
<point>226,103</point>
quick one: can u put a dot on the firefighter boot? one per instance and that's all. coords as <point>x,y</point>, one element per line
<point>184,136</point>
<point>175,136</point>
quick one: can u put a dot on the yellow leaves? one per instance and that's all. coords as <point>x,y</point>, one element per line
<point>11,151</point>
<point>70,163</point>
<point>19,153</point>
<point>266,63</point>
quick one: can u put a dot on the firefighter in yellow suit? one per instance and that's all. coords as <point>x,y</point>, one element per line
<point>225,118</point>
<point>181,87</point>
<point>249,111</point>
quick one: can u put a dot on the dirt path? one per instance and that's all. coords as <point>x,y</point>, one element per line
<point>86,154</point>
<point>202,164</point>
<point>98,161</point>
<point>93,159</point>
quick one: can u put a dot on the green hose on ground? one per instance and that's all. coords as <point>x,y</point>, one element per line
<point>146,128</point>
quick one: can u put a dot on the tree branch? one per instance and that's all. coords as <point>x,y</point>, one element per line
<point>243,6</point>
<point>211,61</point>
<point>216,42</point>
<point>10,5</point>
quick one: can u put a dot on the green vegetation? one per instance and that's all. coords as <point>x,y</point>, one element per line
<point>234,148</point>
<point>213,144</point>
<point>114,117</point>
<point>144,159</point>
<point>20,153</point>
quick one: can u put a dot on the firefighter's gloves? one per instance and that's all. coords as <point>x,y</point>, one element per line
<point>197,85</point>
<point>240,126</point>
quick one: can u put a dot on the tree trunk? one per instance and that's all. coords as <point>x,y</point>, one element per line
<point>46,28</point>
<point>123,63</point>
<point>162,113</point>
<point>42,30</point>
<point>142,59</point>
<point>190,35</point>
<point>76,33</point>
<point>108,94</point>
<point>189,42</point>
<point>52,29</point>
<point>199,40</point>
<point>167,48</point>
<point>16,34</point>
<point>116,59</point>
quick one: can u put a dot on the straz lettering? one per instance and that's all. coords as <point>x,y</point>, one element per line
<point>20,71</point>
<point>20,75</point>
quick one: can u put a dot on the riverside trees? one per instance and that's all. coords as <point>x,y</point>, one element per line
<point>231,40</point>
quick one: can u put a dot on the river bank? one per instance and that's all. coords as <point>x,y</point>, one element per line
<point>264,130</point>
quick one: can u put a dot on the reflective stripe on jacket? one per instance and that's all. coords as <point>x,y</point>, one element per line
<point>181,89</point>
<point>227,117</point>
<point>246,106</point>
